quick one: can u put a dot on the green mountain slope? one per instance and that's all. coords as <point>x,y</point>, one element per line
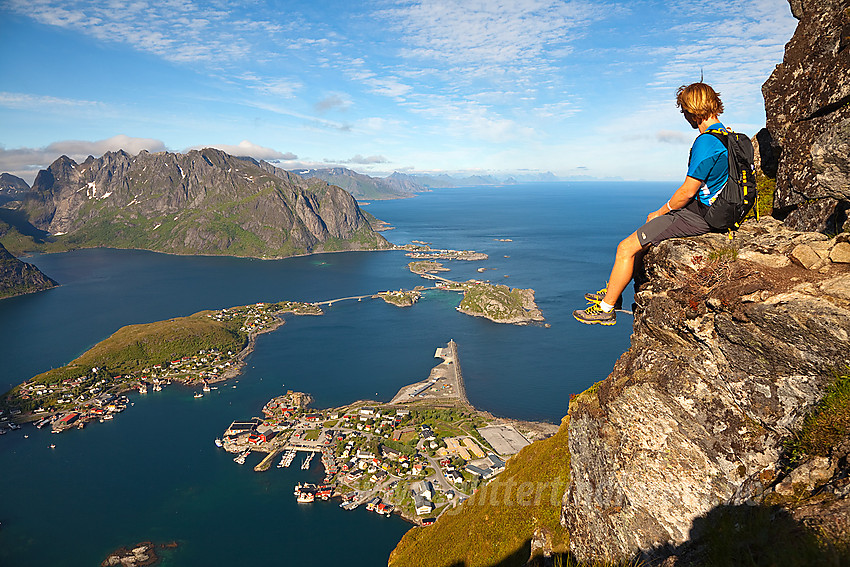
<point>202,202</point>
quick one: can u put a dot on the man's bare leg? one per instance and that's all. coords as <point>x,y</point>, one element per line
<point>624,267</point>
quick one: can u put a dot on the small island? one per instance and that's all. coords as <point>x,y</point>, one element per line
<point>426,267</point>
<point>424,252</point>
<point>401,298</point>
<point>499,303</point>
<point>418,455</point>
<point>142,554</point>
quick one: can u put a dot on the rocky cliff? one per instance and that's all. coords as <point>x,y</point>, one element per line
<point>807,102</point>
<point>734,344</point>
<point>18,278</point>
<point>202,202</point>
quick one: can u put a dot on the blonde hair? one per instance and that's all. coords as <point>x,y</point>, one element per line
<point>699,100</point>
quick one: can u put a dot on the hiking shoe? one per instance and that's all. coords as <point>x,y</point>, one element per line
<point>600,295</point>
<point>594,314</point>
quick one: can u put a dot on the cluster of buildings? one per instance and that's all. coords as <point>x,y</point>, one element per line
<point>258,317</point>
<point>204,366</point>
<point>382,456</point>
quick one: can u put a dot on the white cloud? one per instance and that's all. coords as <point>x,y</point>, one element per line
<point>556,110</point>
<point>27,162</point>
<point>361,160</point>
<point>376,124</point>
<point>673,137</point>
<point>464,119</point>
<point>389,86</point>
<point>333,101</point>
<point>24,101</point>
<point>735,57</point>
<point>480,38</point>
<point>130,145</point>
<point>246,148</point>
<point>311,121</point>
<point>181,31</point>
<point>273,87</point>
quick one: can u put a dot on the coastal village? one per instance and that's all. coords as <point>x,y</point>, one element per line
<point>95,394</point>
<point>75,395</point>
<point>419,455</point>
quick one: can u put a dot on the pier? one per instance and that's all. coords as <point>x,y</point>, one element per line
<point>461,388</point>
<point>444,383</point>
<point>266,463</point>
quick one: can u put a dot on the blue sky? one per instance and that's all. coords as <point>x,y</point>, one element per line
<point>475,86</point>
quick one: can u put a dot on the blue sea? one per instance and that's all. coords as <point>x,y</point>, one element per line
<point>154,474</point>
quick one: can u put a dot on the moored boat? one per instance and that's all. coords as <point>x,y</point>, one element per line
<point>305,497</point>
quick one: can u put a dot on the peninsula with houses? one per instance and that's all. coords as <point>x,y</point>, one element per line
<point>419,455</point>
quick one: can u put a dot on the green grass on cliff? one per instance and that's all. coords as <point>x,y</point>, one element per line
<point>495,526</point>
<point>827,426</point>
<point>766,188</point>
<point>135,347</point>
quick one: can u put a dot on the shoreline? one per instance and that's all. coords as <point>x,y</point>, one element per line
<point>31,253</point>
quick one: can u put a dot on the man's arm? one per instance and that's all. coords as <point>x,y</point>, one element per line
<point>680,198</point>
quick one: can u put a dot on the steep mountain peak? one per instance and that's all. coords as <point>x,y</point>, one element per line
<point>205,201</point>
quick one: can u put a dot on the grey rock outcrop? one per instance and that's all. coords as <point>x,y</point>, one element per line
<point>202,202</point>
<point>18,278</point>
<point>807,102</point>
<point>727,357</point>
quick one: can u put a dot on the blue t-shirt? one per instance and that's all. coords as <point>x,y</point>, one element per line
<point>709,163</point>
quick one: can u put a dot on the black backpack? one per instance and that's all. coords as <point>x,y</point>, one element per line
<point>739,194</point>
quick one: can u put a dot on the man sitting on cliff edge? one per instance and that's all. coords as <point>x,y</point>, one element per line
<point>682,214</point>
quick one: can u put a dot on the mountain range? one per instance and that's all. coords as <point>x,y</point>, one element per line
<point>364,187</point>
<point>401,185</point>
<point>201,202</point>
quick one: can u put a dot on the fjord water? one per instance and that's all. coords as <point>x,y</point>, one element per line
<point>154,474</point>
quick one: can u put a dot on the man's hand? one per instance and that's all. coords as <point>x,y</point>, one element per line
<point>656,214</point>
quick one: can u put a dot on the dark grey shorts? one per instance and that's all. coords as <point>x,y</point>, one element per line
<point>678,223</point>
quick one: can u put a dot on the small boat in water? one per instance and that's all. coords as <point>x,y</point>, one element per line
<point>305,497</point>
<point>218,443</point>
<point>199,395</point>
<point>306,463</point>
